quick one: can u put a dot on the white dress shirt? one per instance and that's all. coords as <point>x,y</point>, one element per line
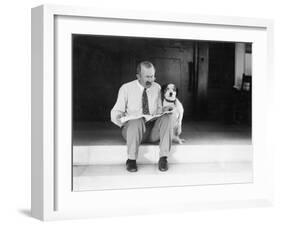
<point>129,100</point>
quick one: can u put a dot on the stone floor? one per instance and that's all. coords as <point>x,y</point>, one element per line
<point>103,177</point>
<point>101,137</point>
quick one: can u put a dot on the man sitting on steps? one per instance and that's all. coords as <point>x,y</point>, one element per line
<point>143,97</point>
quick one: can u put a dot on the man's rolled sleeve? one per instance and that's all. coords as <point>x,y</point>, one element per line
<point>119,108</point>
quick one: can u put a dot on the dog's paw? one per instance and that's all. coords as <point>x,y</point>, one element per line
<point>181,141</point>
<point>178,131</point>
<point>178,140</point>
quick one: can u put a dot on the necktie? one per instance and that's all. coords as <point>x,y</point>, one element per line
<point>145,108</point>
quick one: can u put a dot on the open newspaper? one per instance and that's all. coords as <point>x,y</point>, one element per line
<point>147,118</point>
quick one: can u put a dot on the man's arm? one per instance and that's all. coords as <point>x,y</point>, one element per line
<point>119,108</point>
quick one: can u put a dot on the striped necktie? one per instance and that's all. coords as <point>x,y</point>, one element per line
<point>145,108</point>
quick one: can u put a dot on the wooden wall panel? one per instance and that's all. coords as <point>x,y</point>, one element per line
<point>102,64</point>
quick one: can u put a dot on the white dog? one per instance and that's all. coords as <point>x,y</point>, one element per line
<point>170,102</point>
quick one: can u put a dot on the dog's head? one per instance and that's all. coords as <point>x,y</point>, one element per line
<point>169,92</point>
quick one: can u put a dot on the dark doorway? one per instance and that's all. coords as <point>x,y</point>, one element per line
<point>221,80</point>
<point>214,64</point>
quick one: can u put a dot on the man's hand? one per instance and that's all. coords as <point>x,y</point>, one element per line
<point>167,108</point>
<point>119,116</point>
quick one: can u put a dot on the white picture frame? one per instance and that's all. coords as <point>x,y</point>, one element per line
<point>52,197</point>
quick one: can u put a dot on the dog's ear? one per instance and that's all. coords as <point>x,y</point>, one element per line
<point>177,90</point>
<point>163,88</point>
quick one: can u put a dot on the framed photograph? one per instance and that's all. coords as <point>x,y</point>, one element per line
<point>137,112</point>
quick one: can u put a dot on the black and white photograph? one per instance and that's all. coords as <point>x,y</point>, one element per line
<point>147,111</point>
<point>158,112</point>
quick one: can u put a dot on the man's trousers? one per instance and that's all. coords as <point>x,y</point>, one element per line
<point>137,131</point>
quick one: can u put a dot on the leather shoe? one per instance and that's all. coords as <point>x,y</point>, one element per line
<point>163,164</point>
<point>131,165</point>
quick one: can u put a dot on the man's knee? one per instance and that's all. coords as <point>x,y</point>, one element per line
<point>167,119</point>
<point>135,130</point>
<point>136,123</point>
<point>133,127</point>
<point>136,126</point>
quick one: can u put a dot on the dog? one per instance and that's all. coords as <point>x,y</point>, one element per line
<point>170,102</point>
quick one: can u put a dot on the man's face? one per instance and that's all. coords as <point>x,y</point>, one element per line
<point>146,76</point>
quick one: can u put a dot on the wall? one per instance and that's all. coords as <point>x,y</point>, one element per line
<point>96,77</point>
<point>239,63</point>
<point>202,91</point>
<point>243,62</point>
<point>102,64</point>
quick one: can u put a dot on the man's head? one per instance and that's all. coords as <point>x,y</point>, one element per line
<point>145,73</point>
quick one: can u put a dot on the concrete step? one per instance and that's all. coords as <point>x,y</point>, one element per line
<point>102,177</point>
<point>149,154</point>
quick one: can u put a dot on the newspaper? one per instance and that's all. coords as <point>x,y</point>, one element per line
<point>147,118</point>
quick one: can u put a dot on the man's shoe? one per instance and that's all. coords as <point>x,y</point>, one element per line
<point>131,165</point>
<point>163,164</point>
